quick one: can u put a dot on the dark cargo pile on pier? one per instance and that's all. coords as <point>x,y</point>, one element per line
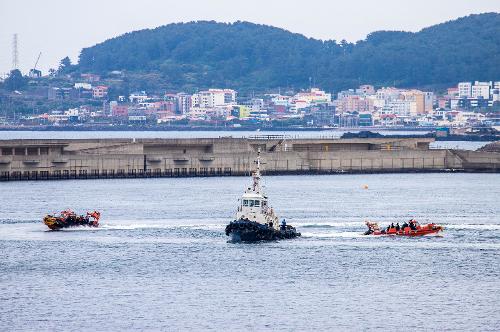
<point>492,147</point>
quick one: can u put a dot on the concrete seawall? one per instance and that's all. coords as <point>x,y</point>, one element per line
<point>121,158</point>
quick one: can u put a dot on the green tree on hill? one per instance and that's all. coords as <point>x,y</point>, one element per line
<point>255,57</point>
<point>65,66</point>
<point>16,81</point>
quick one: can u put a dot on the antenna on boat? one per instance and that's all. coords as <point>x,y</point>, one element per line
<point>256,174</point>
<point>258,159</point>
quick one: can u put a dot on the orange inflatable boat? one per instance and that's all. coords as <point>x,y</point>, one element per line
<point>411,228</point>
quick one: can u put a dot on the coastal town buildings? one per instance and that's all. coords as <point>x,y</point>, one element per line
<point>213,98</point>
<point>100,92</point>
<point>466,103</point>
<point>183,102</point>
<point>138,97</point>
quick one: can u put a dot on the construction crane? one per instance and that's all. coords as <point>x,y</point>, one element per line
<point>34,73</point>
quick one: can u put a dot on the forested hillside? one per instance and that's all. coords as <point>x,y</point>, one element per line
<point>247,56</point>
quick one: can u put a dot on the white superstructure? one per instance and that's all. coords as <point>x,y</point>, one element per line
<point>254,203</point>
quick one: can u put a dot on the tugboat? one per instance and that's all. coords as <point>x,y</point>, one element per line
<point>255,219</point>
<point>68,218</point>
<point>412,228</point>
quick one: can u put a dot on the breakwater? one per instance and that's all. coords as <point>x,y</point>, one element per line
<point>121,158</point>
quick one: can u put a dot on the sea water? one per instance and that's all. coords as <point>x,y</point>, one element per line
<point>161,260</point>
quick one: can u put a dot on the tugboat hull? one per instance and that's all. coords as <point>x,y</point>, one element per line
<point>251,231</point>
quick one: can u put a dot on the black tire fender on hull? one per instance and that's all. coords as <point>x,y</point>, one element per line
<point>251,231</point>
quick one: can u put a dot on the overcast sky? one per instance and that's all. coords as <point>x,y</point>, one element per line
<point>63,27</point>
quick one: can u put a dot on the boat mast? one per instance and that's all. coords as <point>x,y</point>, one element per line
<point>256,174</point>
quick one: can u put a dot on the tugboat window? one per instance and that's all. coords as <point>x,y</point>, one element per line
<point>245,202</point>
<point>251,202</point>
<point>257,203</point>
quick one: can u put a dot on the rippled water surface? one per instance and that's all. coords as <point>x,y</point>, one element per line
<point>160,261</point>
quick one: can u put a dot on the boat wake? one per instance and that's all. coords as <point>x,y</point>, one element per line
<point>485,227</point>
<point>323,225</point>
<point>162,224</point>
<point>323,235</point>
<point>210,229</point>
<point>351,225</point>
<point>17,221</point>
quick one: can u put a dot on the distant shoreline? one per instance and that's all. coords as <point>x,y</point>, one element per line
<point>412,131</point>
<point>183,128</point>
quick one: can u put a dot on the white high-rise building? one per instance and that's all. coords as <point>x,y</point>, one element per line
<point>401,108</point>
<point>315,96</point>
<point>481,90</point>
<point>195,100</point>
<point>213,97</point>
<point>183,103</point>
<point>388,94</point>
<point>428,101</point>
<point>229,96</point>
<point>465,89</point>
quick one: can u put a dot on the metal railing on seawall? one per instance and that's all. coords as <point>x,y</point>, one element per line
<point>295,137</point>
<point>133,174</point>
<point>113,174</point>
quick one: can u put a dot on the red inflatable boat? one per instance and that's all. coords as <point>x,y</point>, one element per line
<point>413,228</point>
